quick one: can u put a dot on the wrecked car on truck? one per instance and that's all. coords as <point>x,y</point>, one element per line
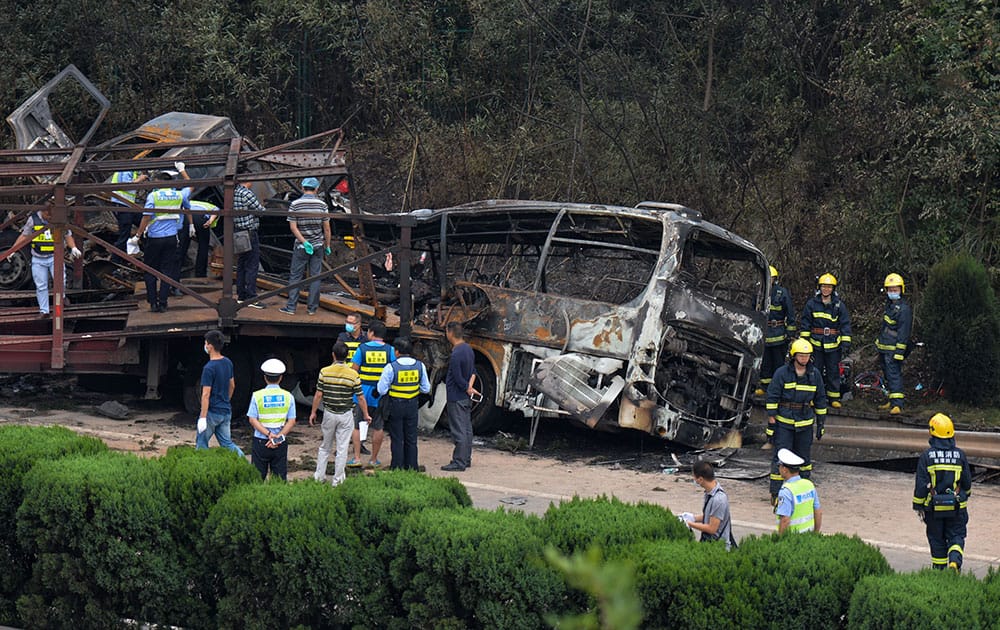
<point>645,318</point>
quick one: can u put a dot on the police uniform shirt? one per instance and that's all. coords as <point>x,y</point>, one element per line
<point>786,502</point>
<point>159,228</point>
<point>389,375</point>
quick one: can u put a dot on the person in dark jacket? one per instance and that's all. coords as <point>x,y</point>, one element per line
<point>796,401</point>
<point>780,328</point>
<point>893,340</point>
<point>826,323</point>
<point>941,494</point>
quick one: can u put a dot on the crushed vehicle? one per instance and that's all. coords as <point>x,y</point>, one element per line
<point>646,318</point>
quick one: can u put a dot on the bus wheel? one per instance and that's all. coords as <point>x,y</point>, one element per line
<point>486,417</point>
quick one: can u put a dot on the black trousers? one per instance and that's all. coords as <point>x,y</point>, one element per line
<point>828,364</point>
<point>774,358</point>
<point>270,459</point>
<point>160,254</point>
<point>947,538</point>
<point>799,441</point>
<point>402,417</point>
<point>203,238</point>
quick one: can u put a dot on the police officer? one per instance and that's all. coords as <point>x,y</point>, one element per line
<point>893,340</point>
<point>161,227</point>
<point>403,380</point>
<point>941,494</point>
<point>126,198</point>
<point>272,415</point>
<point>827,325</point>
<point>798,508</point>
<point>352,337</point>
<point>780,328</point>
<point>796,400</point>
<point>369,360</point>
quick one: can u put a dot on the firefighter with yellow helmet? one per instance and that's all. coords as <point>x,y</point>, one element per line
<point>941,494</point>
<point>796,403</point>
<point>780,328</point>
<point>893,341</point>
<point>826,324</point>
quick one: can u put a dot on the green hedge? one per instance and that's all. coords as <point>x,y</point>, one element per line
<point>928,599</point>
<point>694,585</point>
<point>100,527</point>
<point>288,556</point>
<point>22,447</point>
<point>809,578</point>
<point>195,481</point>
<point>475,569</point>
<point>608,523</point>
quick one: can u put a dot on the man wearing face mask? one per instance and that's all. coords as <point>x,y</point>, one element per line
<point>893,340</point>
<point>352,337</point>
<point>796,400</point>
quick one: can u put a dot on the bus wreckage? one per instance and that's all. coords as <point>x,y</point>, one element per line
<point>646,318</point>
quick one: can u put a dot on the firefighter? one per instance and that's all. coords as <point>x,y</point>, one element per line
<point>796,401</point>
<point>780,328</point>
<point>893,340</point>
<point>941,494</point>
<point>827,325</point>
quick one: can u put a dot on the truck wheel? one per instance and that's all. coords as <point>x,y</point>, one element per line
<point>486,417</point>
<point>15,271</point>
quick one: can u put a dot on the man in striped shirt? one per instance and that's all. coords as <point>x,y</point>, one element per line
<point>311,229</point>
<point>338,388</point>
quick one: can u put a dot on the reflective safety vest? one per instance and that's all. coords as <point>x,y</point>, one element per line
<point>796,401</point>
<point>780,317</point>
<point>351,343</point>
<point>803,517</point>
<point>374,358</point>
<point>273,404</point>
<point>826,326</point>
<point>406,380</point>
<point>207,208</point>
<point>164,201</point>
<point>43,242</point>
<point>118,178</point>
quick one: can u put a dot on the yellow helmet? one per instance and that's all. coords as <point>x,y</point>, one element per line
<point>800,346</point>
<point>827,278</point>
<point>941,426</point>
<point>895,280</point>
<point>774,272</point>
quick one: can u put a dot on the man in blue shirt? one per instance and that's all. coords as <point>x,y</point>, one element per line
<point>798,509</point>
<point>369,360</point>
<point>217,385</point>
<point>272,414</point>
<point>459,381</point>
<point>403,380</point>
<point>160,227</point>
<point>126,198</point>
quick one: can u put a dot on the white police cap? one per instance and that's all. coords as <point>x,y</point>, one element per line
<point>789,458</point>
<point>273,367</point>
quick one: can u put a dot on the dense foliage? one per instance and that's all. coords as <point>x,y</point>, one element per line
<point>961,319</point>
<point>927,599</point>
<point>851,137</point>
<point>608,523</point>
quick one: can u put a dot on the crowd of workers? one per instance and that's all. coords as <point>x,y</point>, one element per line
<point>367,381</point>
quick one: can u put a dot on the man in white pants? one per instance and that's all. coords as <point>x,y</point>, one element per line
<point>339,389</point>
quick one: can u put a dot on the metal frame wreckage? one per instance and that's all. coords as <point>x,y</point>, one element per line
<point>647,318</point>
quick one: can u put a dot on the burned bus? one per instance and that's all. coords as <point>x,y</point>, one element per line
<point>646,318</point>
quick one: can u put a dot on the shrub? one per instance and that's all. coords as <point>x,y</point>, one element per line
<point>288,556</point>
<point>808,577</point>
<point>21,448</point>
<point>474,569</point>
<point>195,481</point>
<point>100,528</point>
<point>684,584</point>
<point>610,585</point>
<point>928,599</point>
<point>608,523</point>
<point>959,312</point>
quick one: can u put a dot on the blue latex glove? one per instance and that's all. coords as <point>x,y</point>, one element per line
<point>327,251</point>
<point>308,247</point>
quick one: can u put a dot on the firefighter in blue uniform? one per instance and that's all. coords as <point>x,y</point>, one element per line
<point>403,380</point>
<point>780,328</point>
<point>796,402</point>
<point>941,494</point>
<point>827,325</point>
<point>893,340</point>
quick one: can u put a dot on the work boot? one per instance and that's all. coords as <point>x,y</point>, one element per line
<point>885,407</point>
<point>758,392</point>
<point>954,567</point>
<point>895,411</point>
<point>836,404</point>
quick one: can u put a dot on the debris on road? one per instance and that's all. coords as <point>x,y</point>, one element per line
<point>114,410</point>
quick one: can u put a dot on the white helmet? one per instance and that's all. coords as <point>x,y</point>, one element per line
<point>273,367</point>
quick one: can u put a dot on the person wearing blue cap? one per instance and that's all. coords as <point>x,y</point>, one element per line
<point>311,229</point>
